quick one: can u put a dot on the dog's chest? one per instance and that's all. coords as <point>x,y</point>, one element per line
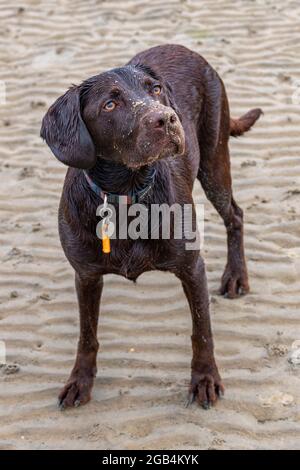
<point>131,258</point>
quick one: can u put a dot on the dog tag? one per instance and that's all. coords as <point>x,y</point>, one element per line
<point>105,238</point>
<point>107,226</point>
<point>107,231</point>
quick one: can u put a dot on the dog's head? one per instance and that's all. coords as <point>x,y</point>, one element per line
<point>126,115</point>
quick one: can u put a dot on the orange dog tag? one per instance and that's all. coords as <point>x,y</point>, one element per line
<point>105,239</point>
<point>105,244</point>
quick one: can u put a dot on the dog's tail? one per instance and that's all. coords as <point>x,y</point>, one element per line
<point>245,122</point>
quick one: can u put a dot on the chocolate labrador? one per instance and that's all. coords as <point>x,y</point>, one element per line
<point>143,133</point>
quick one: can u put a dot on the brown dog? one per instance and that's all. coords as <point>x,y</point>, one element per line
<point>119,133</point>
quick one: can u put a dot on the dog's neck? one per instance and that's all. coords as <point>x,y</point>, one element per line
<point>119,179</point>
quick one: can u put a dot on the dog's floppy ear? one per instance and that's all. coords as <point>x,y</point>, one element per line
<point>65,132</point>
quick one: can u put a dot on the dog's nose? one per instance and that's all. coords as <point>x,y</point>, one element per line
<point>161,120</point>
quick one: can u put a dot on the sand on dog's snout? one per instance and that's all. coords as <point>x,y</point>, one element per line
<point>144,333</point>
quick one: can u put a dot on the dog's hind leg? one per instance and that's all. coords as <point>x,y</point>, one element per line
<point>215,177</point>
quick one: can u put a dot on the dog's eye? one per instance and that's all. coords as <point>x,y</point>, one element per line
<point>156,89</point>
<point>109,105</point>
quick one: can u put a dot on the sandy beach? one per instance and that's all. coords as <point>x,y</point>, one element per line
<point>145,351</point>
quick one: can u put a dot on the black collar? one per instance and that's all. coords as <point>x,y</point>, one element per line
<point>134,197</point>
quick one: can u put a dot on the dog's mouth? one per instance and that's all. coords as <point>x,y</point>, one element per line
<point>179,143</point>
<point>174,148</point>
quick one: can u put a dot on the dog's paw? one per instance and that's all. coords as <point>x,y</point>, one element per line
<point>234,282</point>
<point>205,388</point>
<point>76,392</point>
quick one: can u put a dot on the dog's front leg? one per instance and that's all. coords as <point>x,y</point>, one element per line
<point>206,383</point>
<point>77,390</point>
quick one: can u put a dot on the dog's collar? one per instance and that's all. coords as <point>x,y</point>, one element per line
<point>112,198</point>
